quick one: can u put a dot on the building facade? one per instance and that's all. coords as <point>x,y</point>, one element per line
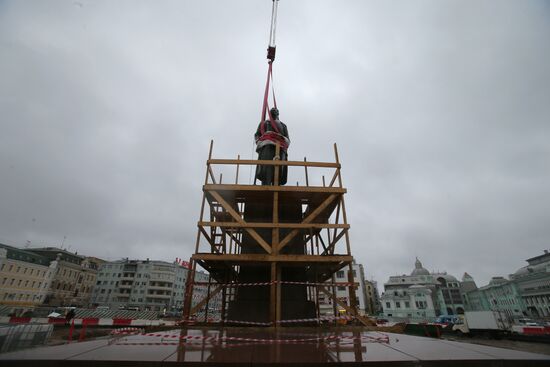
<point>499,295</point>
<point>372,306</point>
<point>140,284</point>
<point>24,278</point>
<point>326,306</point>
<point>45,276</point>
<point>533,285</point>
<point>421,296</point>
<point>525,293</point>
<point>72,277</point>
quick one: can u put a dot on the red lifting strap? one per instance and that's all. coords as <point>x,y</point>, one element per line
<point>266,104</point>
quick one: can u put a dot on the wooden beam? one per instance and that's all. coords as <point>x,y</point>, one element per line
<point>336,174</point>
<point>263,188</point>
<point>238,218</point>
<point>275,211</point>
<point>199,305</point>
<point>254,162</point>
<point>273,225</point>
<point>308,219</point>
<point>270,258</point>
<point>237,174</point>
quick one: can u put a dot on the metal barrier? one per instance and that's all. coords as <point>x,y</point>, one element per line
<point>13,337</point>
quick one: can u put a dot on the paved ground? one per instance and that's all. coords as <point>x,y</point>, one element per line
<point>542,348</point>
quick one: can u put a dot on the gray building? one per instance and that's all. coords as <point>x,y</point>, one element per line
<point>140,284</point>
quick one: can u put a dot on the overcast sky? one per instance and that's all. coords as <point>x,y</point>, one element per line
<point>440,109</point>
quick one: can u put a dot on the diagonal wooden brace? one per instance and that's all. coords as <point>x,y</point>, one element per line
<point>240,220</point>
<point>330,249</point>
<point>199,305</point>
<point>209,239</point>
<point>307,220</point>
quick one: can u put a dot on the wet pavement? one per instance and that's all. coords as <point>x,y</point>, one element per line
<point>285,346</point>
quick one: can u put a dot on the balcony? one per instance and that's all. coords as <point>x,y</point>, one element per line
<point>160,288</point>
<point>158,298</point>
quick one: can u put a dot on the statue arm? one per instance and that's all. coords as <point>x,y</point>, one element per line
<point>258,132</point>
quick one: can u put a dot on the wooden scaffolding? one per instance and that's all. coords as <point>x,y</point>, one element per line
<point>322,226</point>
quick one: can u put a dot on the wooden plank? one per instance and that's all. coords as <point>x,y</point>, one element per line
<point>274,163</point>
<point>268,258</point>
<point>238,218</point>
<point>237,174</point>
<point>273,225</point>
<point>308,219</point>
<point>275,212</point>
<point>263,188</point>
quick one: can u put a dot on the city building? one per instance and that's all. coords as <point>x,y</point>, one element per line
<point>45,276</point>
<point>71,279</point>
<point>24,278</point>
<point>499,295</point>
<point>140,284</point>
<point>421,296</point>
<point>533,285</point>
<point>525,293</point>
<point>361,292</point>
<point>372,306</point>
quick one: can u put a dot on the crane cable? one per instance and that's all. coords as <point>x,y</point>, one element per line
<point>271,57</point>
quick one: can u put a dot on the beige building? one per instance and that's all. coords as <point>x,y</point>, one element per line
<point>24,278</point>
<point>72,277</point>
<point>45,276</point>
<point>372,306</point>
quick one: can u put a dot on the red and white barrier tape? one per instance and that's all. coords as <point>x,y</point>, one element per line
<point>322,318</point>
<point>202,338</point>
<point>337,284</point>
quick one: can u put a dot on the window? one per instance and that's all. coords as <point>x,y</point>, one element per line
<point>340,274</point>
<point>341,288</point>
<point>397,304</point>
<point>407,304</point>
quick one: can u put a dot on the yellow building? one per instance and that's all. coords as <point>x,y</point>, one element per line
<point>72,277</point>
<point>24,278</point>
<point>45,276</point>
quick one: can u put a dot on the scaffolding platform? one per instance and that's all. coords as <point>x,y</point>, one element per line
<point>286,241</point>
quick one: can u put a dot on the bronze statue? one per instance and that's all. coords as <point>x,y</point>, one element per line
<point>268,134</point>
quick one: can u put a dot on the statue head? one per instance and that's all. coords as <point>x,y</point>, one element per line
<point>274,113</point>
